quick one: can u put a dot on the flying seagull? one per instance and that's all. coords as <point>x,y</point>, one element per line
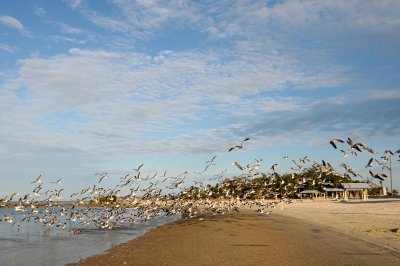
<point>37,180</point>
<point>369,164</point>
<point>237,165</point>
<point>333,142</point>
<point>239,146</point>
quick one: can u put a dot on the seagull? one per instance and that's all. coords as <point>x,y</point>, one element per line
<point>353,145</point>
<point>369,164</point>
<point>239,146</point>
<point>57,182</point>
<point>389,151</point>
<point>12,196</point>
<point>212,160</point>
<point>102,176</point>
<point>237,165</point>
<point>205,169</point>
<point>366,148</point>
<point>333,142</point>
<point>377,176</point>
<point>138,169</point>
<point>37,180</point>
<point>344,153</point>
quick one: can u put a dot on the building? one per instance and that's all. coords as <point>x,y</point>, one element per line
<point>355,190</point>
<point>334,193</point>
<point>311,193</point>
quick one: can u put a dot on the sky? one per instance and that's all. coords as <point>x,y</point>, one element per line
<point>103,86</point>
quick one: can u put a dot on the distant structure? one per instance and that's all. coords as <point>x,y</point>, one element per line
<point>314,194</point>
<point>334,193</point>
<point>352,190</point>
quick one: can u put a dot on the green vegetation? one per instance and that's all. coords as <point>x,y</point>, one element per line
<point>263,186</point>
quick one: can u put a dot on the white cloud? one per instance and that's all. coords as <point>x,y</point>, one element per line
<point>74,3</point>
<point>65,28</point>
<point>381,94</point>
<point>99,104</point>
<point>58,38</point>
<point>39,11</point>
<point>14,24</point>
<point>130,102</point>
<point>8,48</point>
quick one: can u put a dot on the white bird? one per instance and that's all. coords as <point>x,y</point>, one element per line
<point>57,182</point>
<point>37,180</point>
<point>333,142</point>
<point>239,146</point>
<point>237,165</point>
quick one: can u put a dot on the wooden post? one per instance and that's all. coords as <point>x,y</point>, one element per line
<point>365,194</point>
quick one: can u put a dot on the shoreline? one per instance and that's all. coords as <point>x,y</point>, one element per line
<point>246,238</point>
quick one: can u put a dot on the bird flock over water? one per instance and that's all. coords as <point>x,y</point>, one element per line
<point>137,197</point>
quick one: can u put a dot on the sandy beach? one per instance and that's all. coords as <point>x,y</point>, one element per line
<point>370,220</point>
<point>320,232</point>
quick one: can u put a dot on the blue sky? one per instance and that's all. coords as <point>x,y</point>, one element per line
<point>89,86</point>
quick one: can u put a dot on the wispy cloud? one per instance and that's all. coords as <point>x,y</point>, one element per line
<point>65,28</point>
<point>189,77</point>
<point>39,11</point>
<point>57,38</point>
<point>74,3</point>
<point>111,99</point>
<point>8,48</point>
<point>15,24</point>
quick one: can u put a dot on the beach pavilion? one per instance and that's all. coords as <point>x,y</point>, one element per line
<point>311,193</point>
<point>335,193</point>
<point>355,190</point>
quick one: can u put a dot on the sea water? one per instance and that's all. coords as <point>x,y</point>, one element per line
<point>32,243</point>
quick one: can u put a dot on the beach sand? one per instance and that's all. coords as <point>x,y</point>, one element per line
<point>370,220</point>
<point>302,233</point>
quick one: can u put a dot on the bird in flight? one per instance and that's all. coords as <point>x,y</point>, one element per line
<point>37,180</point>
<point>369,164</point>
<point>333,142</point>
<point>239,146</point>
<point>57,182</point>
<point>237,165</point>
<point>212,160</point>
<point>138,169</point>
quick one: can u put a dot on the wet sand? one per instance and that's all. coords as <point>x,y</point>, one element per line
<point>247,238</point>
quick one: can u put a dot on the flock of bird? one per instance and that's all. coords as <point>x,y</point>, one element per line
<point>138,198</point>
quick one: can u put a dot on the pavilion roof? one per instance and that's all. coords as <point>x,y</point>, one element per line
<point>355,186</point>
